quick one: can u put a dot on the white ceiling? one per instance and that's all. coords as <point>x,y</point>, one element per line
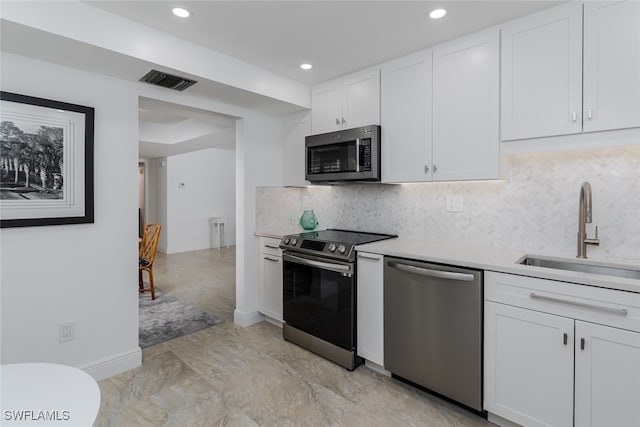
<point>167,129</point>
<point>337,37</point>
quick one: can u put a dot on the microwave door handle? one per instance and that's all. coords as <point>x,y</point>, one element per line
<point>358,145</point>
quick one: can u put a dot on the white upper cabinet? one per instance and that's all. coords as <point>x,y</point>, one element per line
<point>361,104</point>
<point>326,109</point>
<point>346,103</point>
<point>542,74</point>
<point>466,141</point>
<point>611,65</point>
<point>406,119</point>
<point>567,70</point>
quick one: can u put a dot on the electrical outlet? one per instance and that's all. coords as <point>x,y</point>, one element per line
<point>454,203</point>
<point>66,331</point>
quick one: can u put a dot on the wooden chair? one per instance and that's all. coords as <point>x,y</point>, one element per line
<point>147,254</point>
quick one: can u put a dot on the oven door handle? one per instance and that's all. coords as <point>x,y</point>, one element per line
<point>340,268</point>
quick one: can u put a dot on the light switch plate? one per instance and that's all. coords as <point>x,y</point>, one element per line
<point>454,203</point>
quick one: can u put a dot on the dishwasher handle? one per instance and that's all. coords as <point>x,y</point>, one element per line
<point>438,274</point>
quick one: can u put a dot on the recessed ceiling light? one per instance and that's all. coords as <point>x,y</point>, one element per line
<point>437,13</point>
<point>306,66</point>
<point>180,12</point>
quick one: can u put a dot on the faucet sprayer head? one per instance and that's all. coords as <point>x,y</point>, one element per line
<point>585,192</point>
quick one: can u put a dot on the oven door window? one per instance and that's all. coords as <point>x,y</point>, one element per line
<point>347,156</point>
<point>319,302</point>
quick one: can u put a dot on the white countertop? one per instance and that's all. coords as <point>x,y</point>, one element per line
<point>275,234</point>
<point>492,259</point>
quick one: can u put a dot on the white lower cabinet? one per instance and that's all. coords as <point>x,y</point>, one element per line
<point>270,281</point>
<point>528,368</point>
<point>554,361</point>
<point>607,376</point>
<point>370,307</point>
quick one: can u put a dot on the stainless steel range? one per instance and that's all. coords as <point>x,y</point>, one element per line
<point>319,292</point>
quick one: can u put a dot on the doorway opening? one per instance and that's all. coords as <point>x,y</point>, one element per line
<point>186,178</point>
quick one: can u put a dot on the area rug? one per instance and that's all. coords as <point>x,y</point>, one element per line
<point>166,318</point>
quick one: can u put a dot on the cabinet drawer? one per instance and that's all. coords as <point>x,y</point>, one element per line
<point>269,245</point>
<point>598,305</point>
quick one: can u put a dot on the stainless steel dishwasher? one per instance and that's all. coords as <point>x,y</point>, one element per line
<point>433,327</point>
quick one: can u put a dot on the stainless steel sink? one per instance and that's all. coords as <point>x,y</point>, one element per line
<point>583,266</point>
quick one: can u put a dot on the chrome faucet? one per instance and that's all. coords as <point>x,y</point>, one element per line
<point>584,218</point>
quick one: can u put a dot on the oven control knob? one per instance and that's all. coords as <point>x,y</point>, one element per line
<point>342,249</point>
<point>294,241</point>
<point>332,247</point>
<point>286,240</point>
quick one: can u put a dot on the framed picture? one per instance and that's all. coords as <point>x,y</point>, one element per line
<point>46,162</point>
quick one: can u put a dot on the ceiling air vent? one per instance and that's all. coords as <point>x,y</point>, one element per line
<point>169,81</point>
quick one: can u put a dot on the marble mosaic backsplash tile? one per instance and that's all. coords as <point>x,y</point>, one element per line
<point>535,211</point>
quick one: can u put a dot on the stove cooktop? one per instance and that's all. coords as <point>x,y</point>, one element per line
<point>344,236</point>
<point>330,243</point>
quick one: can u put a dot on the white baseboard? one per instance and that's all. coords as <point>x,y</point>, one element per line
<point>116,364</point>
<point>273,321</point>
<point>375,367</point>
<point>502,422</point>
<point>247,319</point>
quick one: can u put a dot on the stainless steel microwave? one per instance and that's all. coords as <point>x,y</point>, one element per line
<point>343,156</point>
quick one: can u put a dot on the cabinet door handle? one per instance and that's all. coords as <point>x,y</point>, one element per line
<point>369,257</point>
<point>272,259</point>
<point>271,247</point>
<point>612,310</point>
<point>581,343</point>
<point>344,122</point>
<point>565,338</point>
<point>574,116</point>
<point>337,121</point>
<point>589,114</point>
<point>435,168</point>
<point>426,169</point>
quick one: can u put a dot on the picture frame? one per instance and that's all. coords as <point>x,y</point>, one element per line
<point>46,162</point>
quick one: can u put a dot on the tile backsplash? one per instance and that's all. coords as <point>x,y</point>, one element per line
<point>536,210</point>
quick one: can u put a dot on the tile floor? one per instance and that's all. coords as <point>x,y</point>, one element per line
<point>232,376</point>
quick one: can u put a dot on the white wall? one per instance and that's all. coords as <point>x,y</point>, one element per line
<point>84,273</point>
<point>159,199</point>
<point>258,162</point>
<point>209,190</point>
<point>258,135</point>
<point>87,273</point>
